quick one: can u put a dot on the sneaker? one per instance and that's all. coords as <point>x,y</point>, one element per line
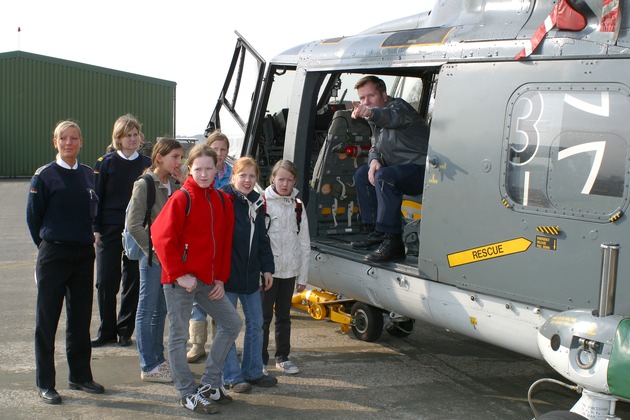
<point>218,395</point>
<point>163,374</point>
<point>197,403</point>
<point>265,371</point>
<point>165,366</point>
<point>287,367</point>
<point>263,381</point>
<point>239,387</point>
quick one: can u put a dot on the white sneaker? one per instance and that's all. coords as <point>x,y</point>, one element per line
<point>265,371</point>
<point>163,374</point>
<point>287,367</point>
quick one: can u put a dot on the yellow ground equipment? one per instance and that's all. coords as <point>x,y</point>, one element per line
<point>321,304</point>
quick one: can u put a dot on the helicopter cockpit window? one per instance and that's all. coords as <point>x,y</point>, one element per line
<point>567,150</point>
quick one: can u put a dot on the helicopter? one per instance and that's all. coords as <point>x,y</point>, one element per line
<point>518,237</point>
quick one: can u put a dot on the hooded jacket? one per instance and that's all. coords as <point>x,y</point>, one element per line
<point>138,208</point>
<point>251,250</point>
<point>291,250</point>
<point>399,134</point>
<point>199,243</point>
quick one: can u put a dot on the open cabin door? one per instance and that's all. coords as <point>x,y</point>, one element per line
<point>239,98</point>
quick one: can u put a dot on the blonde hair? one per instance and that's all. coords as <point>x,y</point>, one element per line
<point>63,126</point>
<point>243,163</point>
<point>122,127</point>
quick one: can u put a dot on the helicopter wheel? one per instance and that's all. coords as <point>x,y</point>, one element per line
<point>367,322</point>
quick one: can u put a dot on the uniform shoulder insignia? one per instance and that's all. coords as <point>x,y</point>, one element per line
<point>41,168</point>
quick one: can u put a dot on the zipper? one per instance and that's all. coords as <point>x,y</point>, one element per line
<point>185,253</point>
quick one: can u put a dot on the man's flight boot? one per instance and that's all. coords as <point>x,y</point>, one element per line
<point>392,249</point>
<point>373,238</point>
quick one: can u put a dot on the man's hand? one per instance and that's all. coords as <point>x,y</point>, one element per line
<point>361,111</point>
<point>188,282</point>
<point>299,288</point>
<point>217,291</point>
<point>374,166</point>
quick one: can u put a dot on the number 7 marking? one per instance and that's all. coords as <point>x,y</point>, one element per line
<point>597,147</point>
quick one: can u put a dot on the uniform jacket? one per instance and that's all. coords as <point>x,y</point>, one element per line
<point>291,250</point>
<point>251,250</point>
<point>199,244</point>
<point>114,183</point>
<point>399,134</point>
<point>62,204</point>
<point>138,208</point>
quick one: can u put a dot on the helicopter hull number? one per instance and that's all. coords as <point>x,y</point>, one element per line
<point>486,252</point>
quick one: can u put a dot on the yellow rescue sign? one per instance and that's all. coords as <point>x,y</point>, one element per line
<point>486,252</point>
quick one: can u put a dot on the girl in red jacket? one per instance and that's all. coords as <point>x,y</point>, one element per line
<point>192,237</point>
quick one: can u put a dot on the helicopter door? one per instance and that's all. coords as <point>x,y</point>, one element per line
<point>243,82</point>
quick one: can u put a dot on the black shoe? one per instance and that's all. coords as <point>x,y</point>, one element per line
<point>89,386</point>
<point>124,341</point>
<point>392,249</point>
<point>372,239</point>
<point>265,381</point>
<point>100,341</point>
<point>49,396</point>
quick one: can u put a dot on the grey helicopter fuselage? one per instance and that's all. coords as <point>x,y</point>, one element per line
<point>519,237</point>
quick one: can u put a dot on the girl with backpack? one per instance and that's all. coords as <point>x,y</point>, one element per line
<point>163,175</point>
<point>291,245</point>
<point>192,236</point>
<point>251,256</point>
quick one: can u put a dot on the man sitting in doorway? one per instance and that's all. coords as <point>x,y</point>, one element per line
<point>396,164</point>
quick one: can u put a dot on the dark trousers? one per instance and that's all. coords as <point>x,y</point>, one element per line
<point>280,296</point>
<point>379,204</point>
<point>64,271</point>
<point>109,256</point>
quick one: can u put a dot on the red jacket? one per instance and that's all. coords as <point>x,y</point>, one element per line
<point>199,244</point>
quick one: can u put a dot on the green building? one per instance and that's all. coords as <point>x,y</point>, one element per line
<point>38,91</point>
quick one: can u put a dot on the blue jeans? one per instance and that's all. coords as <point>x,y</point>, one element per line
<point>251,365</point>
<point>379,204</point>
<point>179,303</point>
<point>150,316</point>
<point>198,314</point>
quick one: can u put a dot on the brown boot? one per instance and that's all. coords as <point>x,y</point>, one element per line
<point>198,331</point>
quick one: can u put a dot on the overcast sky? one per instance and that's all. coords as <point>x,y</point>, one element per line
<point>188,42</point>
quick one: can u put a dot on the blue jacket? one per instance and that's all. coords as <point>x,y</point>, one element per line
<point>251,254</point>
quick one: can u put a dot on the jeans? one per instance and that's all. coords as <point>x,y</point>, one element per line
<point>380,204</point>
<point>179,304</point>
<point>278,300</point>
<point>251,364</point>
<point>150,316</point>
<point>198,314</point>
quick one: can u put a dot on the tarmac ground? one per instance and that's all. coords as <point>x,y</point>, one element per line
<point>431,374</point>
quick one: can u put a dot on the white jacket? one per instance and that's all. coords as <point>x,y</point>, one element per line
<point>291,250</point>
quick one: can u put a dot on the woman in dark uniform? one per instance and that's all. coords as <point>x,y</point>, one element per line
<point>60,210</point>
<point>115,174</point>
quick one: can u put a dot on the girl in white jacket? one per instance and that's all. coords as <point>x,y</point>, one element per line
<point>291,245</point>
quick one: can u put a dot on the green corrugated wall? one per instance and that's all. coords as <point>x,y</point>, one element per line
<point>38,91</point>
